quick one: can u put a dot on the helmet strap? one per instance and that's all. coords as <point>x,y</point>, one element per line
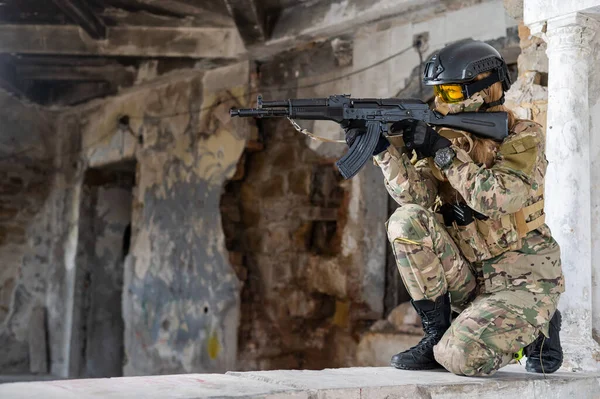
<point>478,85</point>
<point>499,101</point>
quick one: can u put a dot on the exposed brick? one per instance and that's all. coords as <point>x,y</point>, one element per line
<point>249,201</point>
<point>251,216</point>
<point>324,237</point>
<point>276,240</point>
<point>301,236</point>
<point>274,187</point>
<point>253,240</point>
<point>286,158</point>
<point>7,213</point>
<point>276,209</point>
<point>326,276</point>
<point>299,181</point>
<point>300,304</point>
<point>275,271</point>
<point>316,213</point>
<point>257,165</point>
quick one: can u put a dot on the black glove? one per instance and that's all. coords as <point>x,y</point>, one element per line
<point>356,128</point>
<point>421,137</point>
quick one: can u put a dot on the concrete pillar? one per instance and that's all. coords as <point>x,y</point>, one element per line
<point>569,185</point>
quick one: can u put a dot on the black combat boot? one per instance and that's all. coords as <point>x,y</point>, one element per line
<point>435,317</point>
<point>545,355</point>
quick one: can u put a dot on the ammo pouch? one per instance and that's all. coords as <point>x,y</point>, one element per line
<point>480,238</point>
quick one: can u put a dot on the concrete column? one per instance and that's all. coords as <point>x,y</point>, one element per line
<point>568,180</point>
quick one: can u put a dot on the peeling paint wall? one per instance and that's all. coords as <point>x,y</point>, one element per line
<point>25,241</point>
<point>181,295</point>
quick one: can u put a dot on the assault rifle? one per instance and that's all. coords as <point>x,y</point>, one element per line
<point>377,114</point>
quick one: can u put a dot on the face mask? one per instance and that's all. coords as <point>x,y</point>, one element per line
<point>471,104</point>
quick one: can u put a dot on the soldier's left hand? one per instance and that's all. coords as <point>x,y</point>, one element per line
<point>356,128</point>
<point>422,138</point>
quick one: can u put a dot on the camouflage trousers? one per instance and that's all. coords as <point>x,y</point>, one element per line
<point>492,326</point>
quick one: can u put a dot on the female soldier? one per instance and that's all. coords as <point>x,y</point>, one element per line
<point>469,233</point>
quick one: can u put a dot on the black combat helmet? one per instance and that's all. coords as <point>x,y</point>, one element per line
<point>460,62</point>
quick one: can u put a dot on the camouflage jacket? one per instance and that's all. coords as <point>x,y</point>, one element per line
<point>514,182</point>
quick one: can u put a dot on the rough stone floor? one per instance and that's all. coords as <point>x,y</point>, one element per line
<point>350,383</point>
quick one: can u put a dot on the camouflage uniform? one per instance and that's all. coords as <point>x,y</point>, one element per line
<point>505,284</point>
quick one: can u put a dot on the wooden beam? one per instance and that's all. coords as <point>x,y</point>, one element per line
<point>249,19</point>
<point>74,73</point>
<point>119,17</point>
<point>80,13</point>
<point>9,79</point>
<point>131,41</point>
<point>180,8</point>
<point>21,59</point>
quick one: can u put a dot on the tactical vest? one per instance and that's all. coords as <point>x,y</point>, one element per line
<point>486,238</point>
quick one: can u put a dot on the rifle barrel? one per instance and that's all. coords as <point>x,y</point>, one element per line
<point>258,113</point>
<point>271,104</point>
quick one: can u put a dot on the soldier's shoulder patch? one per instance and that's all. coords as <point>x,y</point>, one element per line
<point>525,136</point>
<point>519,144</point>
<point>520,150</point>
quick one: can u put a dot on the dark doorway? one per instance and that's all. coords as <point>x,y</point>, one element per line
<point>97,345</point>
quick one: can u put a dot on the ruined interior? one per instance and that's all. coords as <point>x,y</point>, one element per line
<point>144,231</point>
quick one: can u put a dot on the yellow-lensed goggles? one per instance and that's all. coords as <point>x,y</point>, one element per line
<point>449,93</point>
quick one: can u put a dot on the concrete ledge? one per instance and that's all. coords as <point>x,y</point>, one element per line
<point>351,383</point>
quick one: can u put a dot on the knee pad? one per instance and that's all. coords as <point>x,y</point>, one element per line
<point>408,222</point>
<point>463,356</point>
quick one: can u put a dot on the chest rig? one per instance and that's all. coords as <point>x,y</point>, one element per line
<point>478,236</point>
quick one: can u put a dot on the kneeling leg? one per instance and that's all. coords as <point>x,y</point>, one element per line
<point>484,337</point>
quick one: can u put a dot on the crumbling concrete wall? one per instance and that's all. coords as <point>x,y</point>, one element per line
<point>528,96</point>
<point>181,295</point>
<point>25,240</point>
